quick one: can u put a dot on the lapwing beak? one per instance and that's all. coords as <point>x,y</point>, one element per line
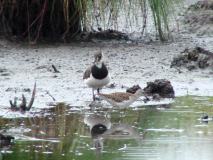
<point>98,57</point>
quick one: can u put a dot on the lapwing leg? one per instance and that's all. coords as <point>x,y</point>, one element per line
<point>93,95</point>
<point>98,90</point>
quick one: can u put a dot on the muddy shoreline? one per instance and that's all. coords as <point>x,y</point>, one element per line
<point>129,62</point>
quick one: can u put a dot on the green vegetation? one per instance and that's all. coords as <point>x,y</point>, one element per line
<point>64,19</point>
<point>160,14</point>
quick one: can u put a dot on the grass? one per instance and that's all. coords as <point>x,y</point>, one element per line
<point>65,19</point>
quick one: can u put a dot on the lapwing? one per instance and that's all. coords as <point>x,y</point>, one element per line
<point>97,75</point>
<point>102,128</point>
<point>121,99</point>
<point>98,125</point>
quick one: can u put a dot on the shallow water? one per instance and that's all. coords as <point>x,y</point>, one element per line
<point>173,131</point>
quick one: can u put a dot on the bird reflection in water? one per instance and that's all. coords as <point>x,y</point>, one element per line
<point>101,128</point>
<point>98,125</point>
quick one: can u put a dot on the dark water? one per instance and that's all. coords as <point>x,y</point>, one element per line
<point>166,132</point>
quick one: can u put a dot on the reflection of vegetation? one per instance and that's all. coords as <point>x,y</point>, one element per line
<point>64,19</point>
<point>74,139</point>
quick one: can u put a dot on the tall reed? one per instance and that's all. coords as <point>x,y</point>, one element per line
<point>64,19</point>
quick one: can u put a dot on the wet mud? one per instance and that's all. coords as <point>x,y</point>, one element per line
<point>199,18</point>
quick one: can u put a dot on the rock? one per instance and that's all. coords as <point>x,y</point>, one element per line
<point>193,58</point>
<point>203,62</point>
<point>179,61</point>
<point>133,89</point>
<point>162,87</point>
<point>156,96</point>
<point>193,55</point>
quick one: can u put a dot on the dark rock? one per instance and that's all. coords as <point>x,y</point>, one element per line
<point>193,58</point>
<point>156,96</point>
<point>133,89</point>
<point>162,87</point>
<point>203,62</point>
<point>179,61</point>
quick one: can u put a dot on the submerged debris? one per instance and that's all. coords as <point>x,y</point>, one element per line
<point>160,88</point>
<point>205,116</point>
<point>23,106</point>
<point>194,58</point>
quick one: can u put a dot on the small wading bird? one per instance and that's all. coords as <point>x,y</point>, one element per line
<point>122,99</point>
<point>96,76</point>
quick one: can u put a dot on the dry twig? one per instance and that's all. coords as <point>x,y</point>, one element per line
<point>23,106</point>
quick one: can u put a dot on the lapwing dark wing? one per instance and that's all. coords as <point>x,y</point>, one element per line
<point>97,75</point>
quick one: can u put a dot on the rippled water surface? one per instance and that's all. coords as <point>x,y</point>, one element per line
<point>165,132</point>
